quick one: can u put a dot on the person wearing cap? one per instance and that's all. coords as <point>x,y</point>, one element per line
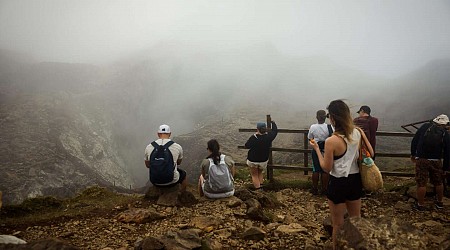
<point>368,124</point>
<point>179,175</point>
<point>319,132</point>
<point>427,158</point>
<point>259,145</point>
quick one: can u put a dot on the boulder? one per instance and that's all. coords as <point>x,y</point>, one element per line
<point>170,196</point>
<point>386,233</point>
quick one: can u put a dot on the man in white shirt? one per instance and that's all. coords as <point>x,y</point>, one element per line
<point>179,175</point>
<point>319,132</point>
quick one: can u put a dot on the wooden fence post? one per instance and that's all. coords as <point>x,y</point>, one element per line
<point>270,163</point>
<point>305,155</point>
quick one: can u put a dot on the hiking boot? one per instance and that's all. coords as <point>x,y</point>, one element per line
<point>418,207</point>
<point>438,204</point>
<point>314,191</point>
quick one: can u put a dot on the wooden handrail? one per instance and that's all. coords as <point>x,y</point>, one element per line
<point>306,151</point>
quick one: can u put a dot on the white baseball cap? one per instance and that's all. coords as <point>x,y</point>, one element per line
<point>164,129</point>
<point>441,120</point>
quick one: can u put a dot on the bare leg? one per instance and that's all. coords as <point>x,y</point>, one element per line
<point>255,177</point>
<point>337,219</point>
<point>260,176</point>
<point>183,185</point>
<point>354,208</point>
<point>200,183</point>
<point>421,191</point>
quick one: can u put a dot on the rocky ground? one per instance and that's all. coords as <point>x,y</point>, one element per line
<point>296,222</point>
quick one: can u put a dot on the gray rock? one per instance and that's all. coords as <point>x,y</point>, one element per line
<point>234,202</point>
<point>402,206</point>
<point>139,215</point>
<point>183,239</point>
<point>293,228</point>
<point>149,243</point>
<point>254,233</point>
<point>9,239</point>
<point>47,244</point>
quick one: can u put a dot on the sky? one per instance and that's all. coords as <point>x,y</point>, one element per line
<point>386,38</point>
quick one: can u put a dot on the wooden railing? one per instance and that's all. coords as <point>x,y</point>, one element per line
<point>306,151</point>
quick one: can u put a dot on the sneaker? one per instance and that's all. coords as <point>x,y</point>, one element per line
<point>438,204</point>
<point>314,191</point>
<point>418,207</point>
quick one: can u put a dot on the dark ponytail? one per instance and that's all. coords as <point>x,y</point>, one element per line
<point>214,147</point>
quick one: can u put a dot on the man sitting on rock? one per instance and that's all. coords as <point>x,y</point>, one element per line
<point>162,158</point>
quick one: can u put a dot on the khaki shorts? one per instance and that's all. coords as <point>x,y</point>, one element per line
<point>258,165</point>
<point>429,169</point>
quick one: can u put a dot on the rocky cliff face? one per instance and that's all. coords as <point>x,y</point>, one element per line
<point>54,143</point>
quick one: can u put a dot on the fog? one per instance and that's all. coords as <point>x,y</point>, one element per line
<point>144,63</point>
<point>383,38</point>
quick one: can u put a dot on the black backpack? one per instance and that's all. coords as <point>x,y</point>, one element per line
<point>161,164</point>
<point>322,143</point>
<point>433,139</point>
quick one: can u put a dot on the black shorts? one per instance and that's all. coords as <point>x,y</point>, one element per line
<point>180,180</point>
<point>316,163</point>
<point>344,189</point>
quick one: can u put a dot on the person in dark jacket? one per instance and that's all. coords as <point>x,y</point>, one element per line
<point>259,148</point>
<point>428,159</point>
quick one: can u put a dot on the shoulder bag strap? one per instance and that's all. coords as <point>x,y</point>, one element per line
<point>330,130</point>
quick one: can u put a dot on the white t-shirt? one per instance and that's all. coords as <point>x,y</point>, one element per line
<point>177,153</point>
<point>318,132</point>
<point>348,164</point>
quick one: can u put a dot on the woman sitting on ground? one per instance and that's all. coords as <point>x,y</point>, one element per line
<point>340,160</point>
<point>216,180</point>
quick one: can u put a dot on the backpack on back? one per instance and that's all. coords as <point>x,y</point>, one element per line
<point>433,139</point>
<point>162,166</point>
<point>220,179</point>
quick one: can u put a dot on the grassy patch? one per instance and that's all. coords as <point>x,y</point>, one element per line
<point>242,174</point>
<point>396,187</point>
<point>91,201</point>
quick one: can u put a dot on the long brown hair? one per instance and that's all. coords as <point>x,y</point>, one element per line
<point>214,147</point>
<point>343,122</point>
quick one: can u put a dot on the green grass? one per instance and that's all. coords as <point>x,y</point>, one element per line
<point>35,210</point>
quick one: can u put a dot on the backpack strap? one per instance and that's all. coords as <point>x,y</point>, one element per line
<point>222,158</point>
<point>154,144</point>
<point>330,130</point>
<point>168,144</point>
